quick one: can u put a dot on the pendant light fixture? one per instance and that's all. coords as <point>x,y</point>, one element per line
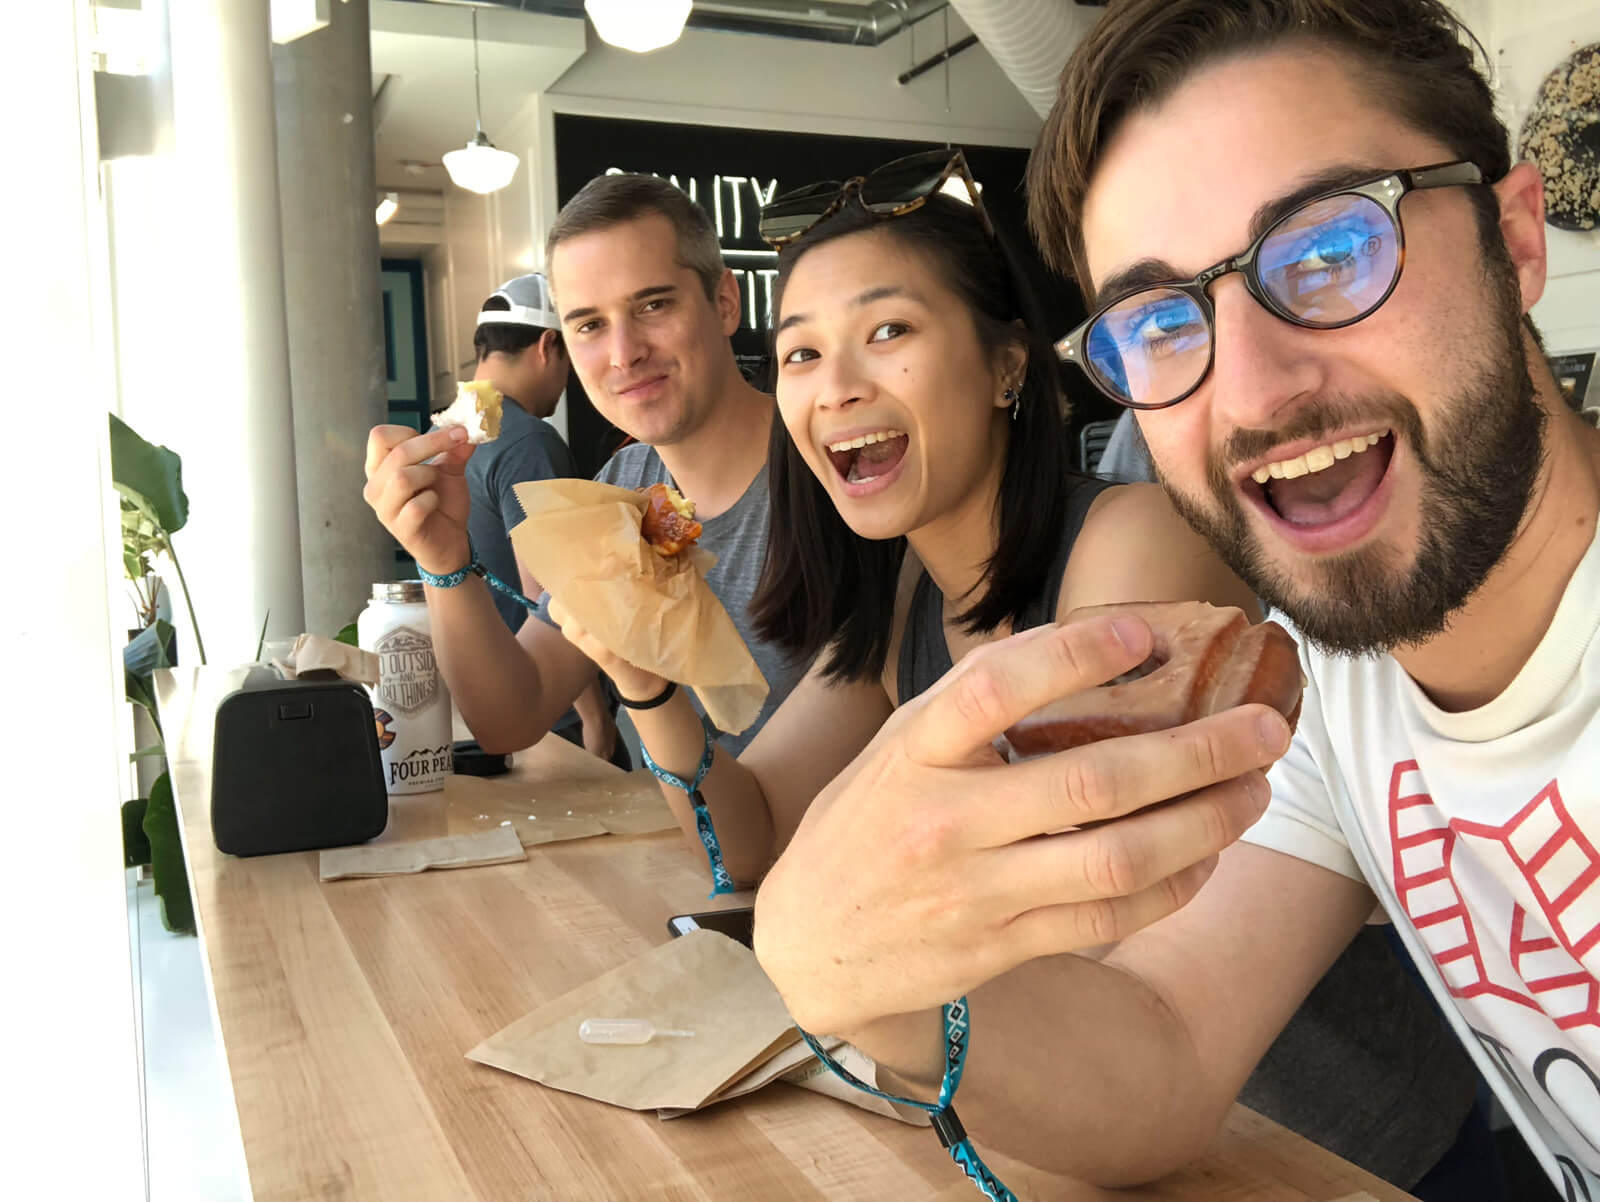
<point>638,25</point>
<point>480,166</point>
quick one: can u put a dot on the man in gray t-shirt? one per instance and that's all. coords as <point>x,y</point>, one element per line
<point>647,307</point>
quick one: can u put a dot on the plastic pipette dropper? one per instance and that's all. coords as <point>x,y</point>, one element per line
<point>623,1030</point>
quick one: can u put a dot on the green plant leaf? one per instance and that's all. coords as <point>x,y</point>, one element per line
<point>150,477</point>
<point>145,753</point>
<point>135,847</point>
<point>140,539</point>
<point>166,857</point>
<point>140,692</point>
<point>347,635</point>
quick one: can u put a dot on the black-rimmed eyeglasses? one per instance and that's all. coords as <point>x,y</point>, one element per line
<point>1326,264</point>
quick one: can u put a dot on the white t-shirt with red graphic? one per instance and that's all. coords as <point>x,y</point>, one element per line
<point>1480,834</point>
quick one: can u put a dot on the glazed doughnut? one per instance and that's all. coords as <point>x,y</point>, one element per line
<point>668,524</point>
<point>1206,658</point>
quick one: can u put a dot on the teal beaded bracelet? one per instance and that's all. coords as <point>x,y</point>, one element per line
<point>474,568</point>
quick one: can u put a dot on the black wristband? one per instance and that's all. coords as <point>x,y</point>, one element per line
<point>660,698</point>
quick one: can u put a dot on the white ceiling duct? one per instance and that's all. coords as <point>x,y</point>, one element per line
<point>1029,39</point>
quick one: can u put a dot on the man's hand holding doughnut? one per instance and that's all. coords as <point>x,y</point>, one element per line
<point>931,866</point>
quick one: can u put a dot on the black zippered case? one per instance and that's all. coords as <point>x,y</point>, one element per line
<point>295,766</point>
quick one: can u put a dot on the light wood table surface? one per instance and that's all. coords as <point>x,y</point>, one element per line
<point>346,1010</point>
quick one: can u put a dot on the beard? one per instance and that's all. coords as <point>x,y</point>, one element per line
<point>1478,466</point>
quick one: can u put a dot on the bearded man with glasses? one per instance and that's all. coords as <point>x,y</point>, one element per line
<point>1309,260</point>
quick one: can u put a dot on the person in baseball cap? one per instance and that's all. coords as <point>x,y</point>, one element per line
<point>523,301</point>
<point>519,345</point>
<point>520,352</point>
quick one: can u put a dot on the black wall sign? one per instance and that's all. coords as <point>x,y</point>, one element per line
<point>731,172</point>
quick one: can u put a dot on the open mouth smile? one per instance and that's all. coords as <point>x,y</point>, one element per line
<point>1327,496</point>
<point>867,460</point>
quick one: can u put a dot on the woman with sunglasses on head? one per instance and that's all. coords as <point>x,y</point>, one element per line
<point>922,499</point>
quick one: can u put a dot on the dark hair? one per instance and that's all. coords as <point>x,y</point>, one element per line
<point>609,200</point>
<point>507,337</point>
<point>1415,54</point>
<point>824,587</point>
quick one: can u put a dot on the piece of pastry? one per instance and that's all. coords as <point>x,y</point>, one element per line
<point>476,409</point>
<point>1206,659</point>
<point>668,524</point>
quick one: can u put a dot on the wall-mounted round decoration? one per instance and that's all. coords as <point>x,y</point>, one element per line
<point>1562,135</point>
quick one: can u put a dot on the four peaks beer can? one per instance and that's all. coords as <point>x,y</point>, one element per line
<point>411,705</point>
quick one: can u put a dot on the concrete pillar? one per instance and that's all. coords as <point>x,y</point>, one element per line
<point>327,192</point>
<point>226,402</point>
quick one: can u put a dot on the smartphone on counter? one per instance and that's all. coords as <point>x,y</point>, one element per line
<point>737,924</point>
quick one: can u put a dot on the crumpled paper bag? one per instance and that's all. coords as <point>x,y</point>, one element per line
<point>703,982</point>
<point>790,1059</point>
<point>799,1066</point>
<point>497,845</point>
<point>581,541</point>
<point>312,653</point>
<point>812,1074</point>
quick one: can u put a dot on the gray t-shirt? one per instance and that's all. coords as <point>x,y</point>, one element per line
<point>738,538</point>
<point>529,448</point>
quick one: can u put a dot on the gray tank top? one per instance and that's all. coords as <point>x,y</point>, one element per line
<point>924,653</point>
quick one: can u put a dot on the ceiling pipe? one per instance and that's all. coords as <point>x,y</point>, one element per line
<point>944,56</point>
<point>1029,39</point>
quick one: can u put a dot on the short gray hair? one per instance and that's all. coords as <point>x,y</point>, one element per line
<point>609,200</point>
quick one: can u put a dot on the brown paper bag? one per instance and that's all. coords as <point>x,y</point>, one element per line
<point>497,845</point>
<point>817,1077</point>
<point>799,1066</point>
<point>581,541</point>
<point>703,982</point>
<point>791,1059</point>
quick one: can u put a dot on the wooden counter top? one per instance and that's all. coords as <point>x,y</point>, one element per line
<point>346,1009</point>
